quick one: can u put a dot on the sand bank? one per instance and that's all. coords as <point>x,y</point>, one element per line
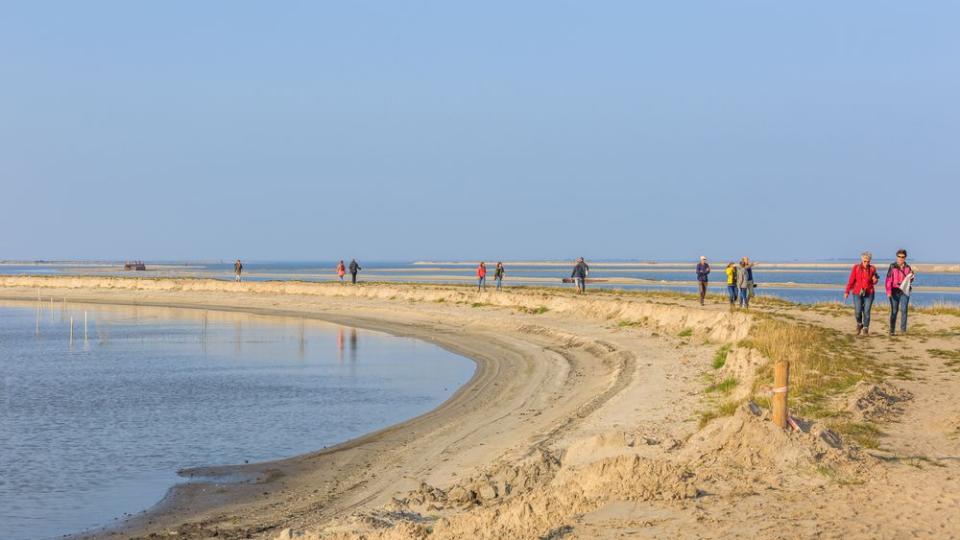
<point>580,422</point>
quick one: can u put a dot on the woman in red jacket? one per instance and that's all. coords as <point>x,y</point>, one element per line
<point>863,277</point>
<point>482,276</point>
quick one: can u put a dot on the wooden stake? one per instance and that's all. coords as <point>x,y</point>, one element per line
<point>71,330</point>
<point>84,325</point>
<point>781,382</point>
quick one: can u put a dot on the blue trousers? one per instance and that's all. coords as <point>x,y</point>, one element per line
<point>482,282</point>
<point>861,309</point>
<point>745,297</point>
<point>732,293</point>
<point>898,303</point>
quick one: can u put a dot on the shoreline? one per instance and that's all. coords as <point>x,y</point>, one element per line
<point>591,417</point>
<point>500,367</point>
<point>188,491</point>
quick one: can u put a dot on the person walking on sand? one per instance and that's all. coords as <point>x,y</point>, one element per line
<point>354,268</point>
<point>341,270</point>
<point>732,283</point>
<point>237,269</point>
<point>579,275</point>
<point>863,277</point>
<point>498,274</point>
<point>703,271</point>
<point>745,282</point>
<point>899,282</point>
<point>482,276</point>
<point>746,268</point>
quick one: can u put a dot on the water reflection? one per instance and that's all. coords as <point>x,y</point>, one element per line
<point>96,438</point>
<point>302,349</point>
<point>353,344</point>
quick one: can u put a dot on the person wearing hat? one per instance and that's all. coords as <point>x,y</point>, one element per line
<point>703,271</point>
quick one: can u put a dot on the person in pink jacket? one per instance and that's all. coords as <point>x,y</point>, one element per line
<point>899,282</point>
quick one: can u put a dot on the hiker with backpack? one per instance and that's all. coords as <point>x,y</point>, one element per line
<point>899,283</point>
<point>863,277</point>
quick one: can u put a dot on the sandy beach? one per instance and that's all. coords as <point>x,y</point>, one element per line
<point>603,416</point>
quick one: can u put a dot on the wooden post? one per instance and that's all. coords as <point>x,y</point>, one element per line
<point>781,382</point>
<point>71,330</point>
<point>84,325</point>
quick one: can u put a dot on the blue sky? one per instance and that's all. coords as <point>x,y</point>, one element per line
<point>442,130</point>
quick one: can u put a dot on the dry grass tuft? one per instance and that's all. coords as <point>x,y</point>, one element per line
<point>824,363</point>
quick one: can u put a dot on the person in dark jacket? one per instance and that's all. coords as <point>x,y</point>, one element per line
<point>354,268</point>
<point>703,271</point>
<point>579,275</point>
<point>863,277</point>
<point>498,274</point>
<point>237,270</point>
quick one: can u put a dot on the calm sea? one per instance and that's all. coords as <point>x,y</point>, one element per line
<point>93,429</point>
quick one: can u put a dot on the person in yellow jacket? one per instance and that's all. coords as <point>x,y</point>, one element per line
<point>732,283</point>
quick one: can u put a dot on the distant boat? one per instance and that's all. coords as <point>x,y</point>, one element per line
<point>134,265</point>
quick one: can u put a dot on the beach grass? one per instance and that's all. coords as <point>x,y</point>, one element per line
<point>725,408</point>
<point>824,363</point>
<point>723,387</point>
<point>720,357</point>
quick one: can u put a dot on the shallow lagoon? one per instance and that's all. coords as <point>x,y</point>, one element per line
<point>93,429</point>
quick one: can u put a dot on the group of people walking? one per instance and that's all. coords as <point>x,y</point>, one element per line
<point>579,275</point>
<point>898,284</point>
<point>354,270</point>
<point>498,273</point>
<point>862,283</point>
<point>740,282</point>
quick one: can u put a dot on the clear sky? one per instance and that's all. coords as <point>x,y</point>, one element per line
<point>453,130</point>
